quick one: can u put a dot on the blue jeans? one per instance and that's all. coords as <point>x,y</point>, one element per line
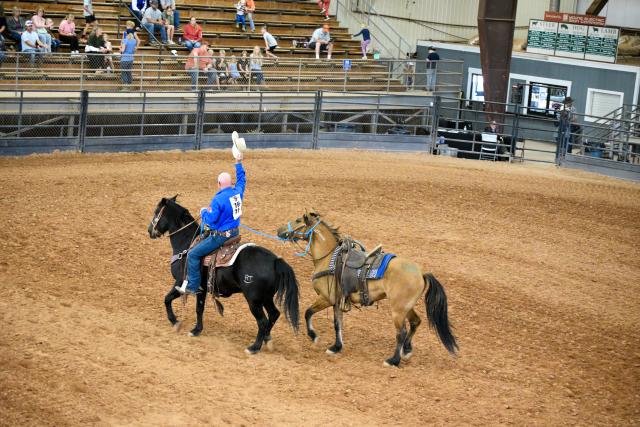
<point>125,70</point>
<point>240,20</point>
<point>196,254</point>
<point>46,39</point>
<point>152,29</point>
<point>431,79</point>
<point>211,77</point>
<point>250,16</point>
<point>176,19</point>
<point>137,13</point>
<point>32,54</point>
<point>191,45</point>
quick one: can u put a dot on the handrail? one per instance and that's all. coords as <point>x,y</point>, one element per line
<point>401,46</point>
<point>161,47</point>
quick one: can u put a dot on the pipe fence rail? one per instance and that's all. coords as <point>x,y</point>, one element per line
<point>108,72</point>
<point>97,121</point>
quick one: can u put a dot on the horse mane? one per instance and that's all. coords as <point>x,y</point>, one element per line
<point>183,213</point>
<point>334,230</point>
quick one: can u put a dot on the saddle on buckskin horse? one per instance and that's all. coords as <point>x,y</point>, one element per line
<point>353,267</point>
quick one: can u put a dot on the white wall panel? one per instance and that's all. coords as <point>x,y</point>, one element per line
<point>444,20</point>
<point>619,13</point>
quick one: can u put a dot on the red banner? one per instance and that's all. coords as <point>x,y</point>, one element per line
<point>573,18</point>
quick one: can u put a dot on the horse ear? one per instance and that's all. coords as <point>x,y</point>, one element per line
<point>175,197</point>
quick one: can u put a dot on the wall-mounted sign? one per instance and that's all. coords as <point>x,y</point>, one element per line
<point>602,44</point>
<point>573,18</point>
<point>594,43</point>
<point>542,37</point>
<point>572,40</point>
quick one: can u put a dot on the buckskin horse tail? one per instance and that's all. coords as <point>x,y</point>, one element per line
<point>287,290</point>
<point>436,302</point>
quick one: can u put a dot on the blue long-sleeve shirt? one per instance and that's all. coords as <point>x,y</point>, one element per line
<point>366,35</point>
<point>226,205</point>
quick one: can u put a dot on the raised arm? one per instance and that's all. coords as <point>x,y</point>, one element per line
<point>241,178</point>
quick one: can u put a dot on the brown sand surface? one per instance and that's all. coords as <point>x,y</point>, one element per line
<point>541,267</point>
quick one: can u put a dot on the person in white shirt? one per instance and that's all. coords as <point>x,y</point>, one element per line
<point>31,43</point>
<point>270,43</point>
<point>152,21</point>
<point>321,41</point>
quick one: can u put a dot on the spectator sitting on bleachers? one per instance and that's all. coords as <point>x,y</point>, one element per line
<point>67,33</point>
<point>200,62</point>
<point>96,50</point>
<point>152,21</point>
<point>192,33</point>
<point>55,43</point>
<point>137,7</point>
<point>270,43</point>
<point>251,7</point>
<point>221,66</point>
<point>40,24</point>
<point>3,48</point>
<point>234,72</point>
<point>256,65</point>
<point>169,17</point>
<point>321,41</point>
<point>3,26</point>
<point>131,29</point>
<point>108,58</point>
<point>15,27</point>
<point>243,67</point>
<point>165,4</point>
<point>87,12</point>
<point>241,9</point>
<point>31,43</point>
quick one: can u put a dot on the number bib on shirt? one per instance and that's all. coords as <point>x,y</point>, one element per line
<point>236,206</point>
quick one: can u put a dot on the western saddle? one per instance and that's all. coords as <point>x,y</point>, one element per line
<point>351,266</point>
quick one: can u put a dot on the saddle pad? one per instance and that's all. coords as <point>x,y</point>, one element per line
<point>377,271</point>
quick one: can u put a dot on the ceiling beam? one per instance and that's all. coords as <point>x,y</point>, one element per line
<point>596,7</point>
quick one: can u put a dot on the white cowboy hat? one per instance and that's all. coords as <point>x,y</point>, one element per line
<point>239,144</point>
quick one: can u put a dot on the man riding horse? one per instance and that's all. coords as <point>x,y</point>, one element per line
<point>220,220</point>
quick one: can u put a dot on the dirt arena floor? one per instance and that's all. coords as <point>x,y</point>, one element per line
<point>541,267</point>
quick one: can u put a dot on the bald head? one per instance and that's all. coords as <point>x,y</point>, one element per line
<point>224,180</point>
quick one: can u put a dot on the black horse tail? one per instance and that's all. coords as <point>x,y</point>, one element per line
<point>287,290</point>
<point>436,302</point>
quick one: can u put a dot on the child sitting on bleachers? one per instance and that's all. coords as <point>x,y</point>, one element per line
<point>234,73</point>
<point>241,9</point>
<point>109,50</point>
<point>256,65</point>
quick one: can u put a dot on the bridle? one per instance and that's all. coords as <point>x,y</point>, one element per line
<point>295,235</point>
<point>156,220</point>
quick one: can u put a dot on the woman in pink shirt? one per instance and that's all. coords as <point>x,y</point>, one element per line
<point>67,33</point>
<point>41,27</point>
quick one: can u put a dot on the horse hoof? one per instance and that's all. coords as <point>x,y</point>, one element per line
<point>250,352</point>
<point>177,326</point>
<point>389,365</point>
<point>194,333</point>
<point>407,356</point>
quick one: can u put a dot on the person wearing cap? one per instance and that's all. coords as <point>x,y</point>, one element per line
<point>569,118</point>
<point>432,59</point>
<point>152,21</point>
<point>31,43</point>
<point>221,221</point>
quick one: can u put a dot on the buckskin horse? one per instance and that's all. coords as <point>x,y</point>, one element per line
<point>257,272</point>
<point>402,283</point>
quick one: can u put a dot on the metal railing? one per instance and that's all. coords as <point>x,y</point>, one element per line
<point>107,72</point>
<point>93,121</point>
<point>385,37</point>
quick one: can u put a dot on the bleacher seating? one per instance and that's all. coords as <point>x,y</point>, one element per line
<point>287,21</point>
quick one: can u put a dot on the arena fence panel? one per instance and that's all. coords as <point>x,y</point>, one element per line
<point>170,73</point>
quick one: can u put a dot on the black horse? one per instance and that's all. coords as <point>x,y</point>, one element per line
<point>257,272</point>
